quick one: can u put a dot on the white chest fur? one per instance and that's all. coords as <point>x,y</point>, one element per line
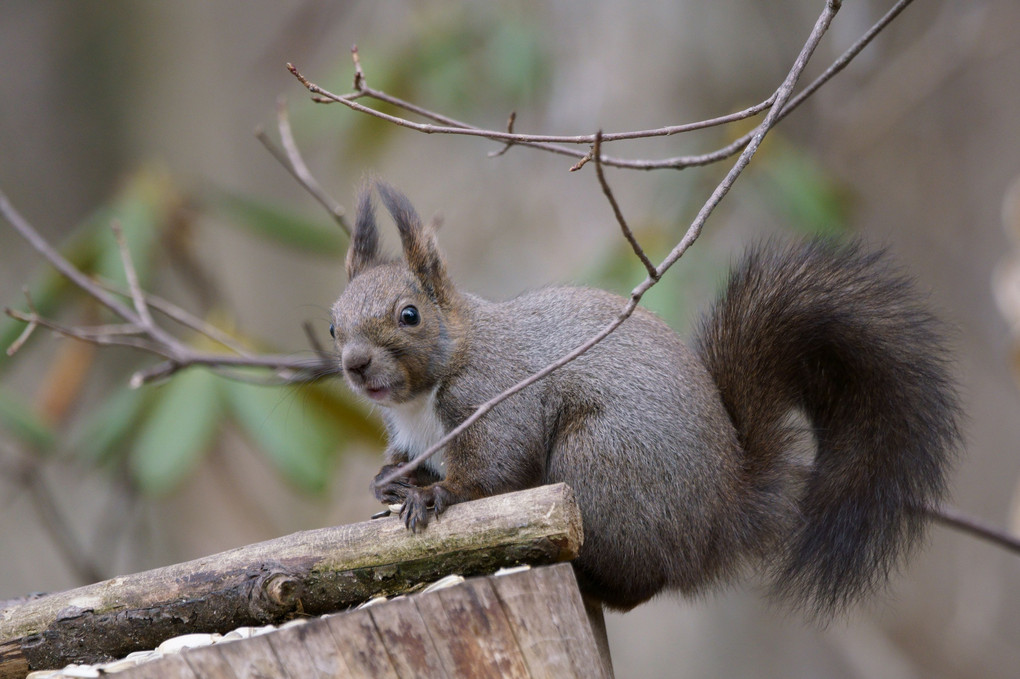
<point>414,426</point>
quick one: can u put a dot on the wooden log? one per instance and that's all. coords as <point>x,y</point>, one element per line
<point>307,573</point>
<point>530,624</point>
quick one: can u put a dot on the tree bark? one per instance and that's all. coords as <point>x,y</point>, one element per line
<point>307,573</point>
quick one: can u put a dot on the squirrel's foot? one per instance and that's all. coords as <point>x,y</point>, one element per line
<point>420,501</point>
<point>394,492</point>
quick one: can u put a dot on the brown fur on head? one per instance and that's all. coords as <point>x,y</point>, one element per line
<point>393,322</point>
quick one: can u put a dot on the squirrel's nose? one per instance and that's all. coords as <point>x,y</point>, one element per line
<point>357,360</point>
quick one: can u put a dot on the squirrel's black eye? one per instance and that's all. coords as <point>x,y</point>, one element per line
<point>409,316</point>
<point>332,331</point>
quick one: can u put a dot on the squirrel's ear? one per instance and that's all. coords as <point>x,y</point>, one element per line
<point>363,251</point>
<point>421,248</point>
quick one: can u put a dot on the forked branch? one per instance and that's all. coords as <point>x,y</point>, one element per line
<point>138,329</point>
<point>557,144</point>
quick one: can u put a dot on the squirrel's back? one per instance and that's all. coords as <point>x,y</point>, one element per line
<point>635,426</point>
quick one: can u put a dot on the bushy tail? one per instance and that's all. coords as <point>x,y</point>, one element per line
<point>838,334</point>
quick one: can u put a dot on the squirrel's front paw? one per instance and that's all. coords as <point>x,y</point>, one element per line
<point>420,501</point>
<point>393,492</point>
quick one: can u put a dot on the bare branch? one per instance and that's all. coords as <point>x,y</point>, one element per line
<point>123,336</point>
<point>510,129</point>
<point>846,57</point>
<point>60,263</point>
<point>289,369</point>
<point>313,341</point>
<point>782,96</point>
<point>553,143</point>
<point>584,161</point>
<point>179,355</point>
<point>954,518</point>
<point>682,162</point>
<point>292,160</point>
<point>145,334</point>
<point>359,75</point>
<point>627,233</point>
<point>29,328</point>
<point>132,276</point>
<point>447,125</point>
<point>183,317</point>
<point>140,331</point>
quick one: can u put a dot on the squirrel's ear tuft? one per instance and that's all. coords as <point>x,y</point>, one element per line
<point>421,248</point>
<point>363,251</point>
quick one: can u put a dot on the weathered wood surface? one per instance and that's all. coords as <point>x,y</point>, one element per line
<point>306,573</point>
<point>530,624</point>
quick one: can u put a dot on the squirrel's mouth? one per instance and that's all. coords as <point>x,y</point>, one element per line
<point>377,393</point>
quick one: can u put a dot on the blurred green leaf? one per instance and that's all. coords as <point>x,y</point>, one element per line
<point>280,225</point>
<point>24,424</point>
<point>517,60</point>
<point>179,428</point>
<point>141,208</point>
<point>351,417</point>
<point>298,441</point>
<point>810,199</point>
<point>111,424</point>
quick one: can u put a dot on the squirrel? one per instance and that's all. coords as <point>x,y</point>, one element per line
<point>684,461</point>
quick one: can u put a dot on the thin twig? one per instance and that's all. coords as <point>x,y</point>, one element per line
<point>188,320</point>
<point>60,263</point>
<point>313,340</point>
<point>126,329</point>
<point>682,162</point>
<point>551,143</point>
<point>585,159</point>
<point>448,125</point>
<point>359,75</point>
<point>132,276</point>
<point>180,355</point>
<point>954,518</point>
<point>627,233</point>
<point>293,161</point>
<point>291,368</point>
<point>846,57</point>
<point>149,337</point>
<point>509,128</point>
<point>548,142</point>
<point>29,328</point>
<point>122,335</point>
<point>783,94</point>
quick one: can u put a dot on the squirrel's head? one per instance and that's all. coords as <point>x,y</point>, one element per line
<point>395,325</point>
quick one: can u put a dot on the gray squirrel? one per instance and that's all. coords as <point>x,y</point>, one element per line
<point>683,460</point>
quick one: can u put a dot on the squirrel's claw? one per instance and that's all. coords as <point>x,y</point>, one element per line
<point>419,502</point>
<point>415,511</point>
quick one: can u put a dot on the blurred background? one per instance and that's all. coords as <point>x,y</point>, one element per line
<point>144,111</point>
